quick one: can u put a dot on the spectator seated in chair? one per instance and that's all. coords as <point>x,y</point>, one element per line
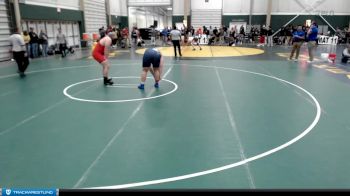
<point>346,54</point>
<point>53,49</point>
<point>211,40</point>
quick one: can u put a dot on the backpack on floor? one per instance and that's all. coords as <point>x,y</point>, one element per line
<point>71,50</point>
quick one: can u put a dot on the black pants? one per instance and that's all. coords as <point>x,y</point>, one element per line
<point>63,48</point>
<point>344,59</point>
<point>21,60</point>
<point>176,43</point>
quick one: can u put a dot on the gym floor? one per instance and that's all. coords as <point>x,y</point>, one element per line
<point>252,120</point>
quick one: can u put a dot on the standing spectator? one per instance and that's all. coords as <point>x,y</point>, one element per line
<point>115,41</point>
<point>255,35</point>
<point>192,31</point>
<point>305,31</point>
<point>282,37</point>
<point>44,42</point>
<point>175,36</point>
<point>19,52</point>
<point>254,32</point>
<point>221,36</point>
<point>26,39</point>
<point>204,34</point>
<point>241,34</point>
<point>169,30</point>
<point>263,34</point>
<point>210,33</point>
<point>270,37</point>
<point>337,36</point>
<point>199,34</point>
<point>288,33</point>
<point>165,36</point>
<point>62,42</point>
<point>347,35</point>
<point>153,36</point>
<point>216,34</point>
<point>207,34</point>
<point>125,34</point>
<point>312,37</point>
<point>298,39</point>
<point>182,33</point>
<point>224,28</point>
<point>232,35</point>
<point>134,35</point>
<point>33,43</point>
<point>119,37</point>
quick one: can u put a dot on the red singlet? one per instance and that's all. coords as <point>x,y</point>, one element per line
<point>99,53</point>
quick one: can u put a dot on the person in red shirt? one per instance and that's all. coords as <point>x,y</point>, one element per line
<point>101,53</point>
<point>125,34</point>
<point>199,31</point>
<point>199,34</point>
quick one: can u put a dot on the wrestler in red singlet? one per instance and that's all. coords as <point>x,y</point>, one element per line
<point>100,54</point>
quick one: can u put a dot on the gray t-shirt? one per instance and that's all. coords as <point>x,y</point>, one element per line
<point>61,38</point>
<point>153,33</point>
<point>175,35</point>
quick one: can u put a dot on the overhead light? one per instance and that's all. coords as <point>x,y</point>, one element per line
<point>169,8</point>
